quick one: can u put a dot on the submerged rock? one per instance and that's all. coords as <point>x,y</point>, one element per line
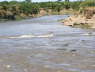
<point>64,49</point>
<point>73,50</point>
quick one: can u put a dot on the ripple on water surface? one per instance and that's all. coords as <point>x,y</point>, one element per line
<point>45,45</point>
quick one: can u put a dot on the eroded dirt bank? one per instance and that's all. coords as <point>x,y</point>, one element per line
<point>85,19</point>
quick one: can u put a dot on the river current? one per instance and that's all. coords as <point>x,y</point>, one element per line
<point>44,44</point>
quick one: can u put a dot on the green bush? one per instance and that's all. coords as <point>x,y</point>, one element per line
<point>88,3</point>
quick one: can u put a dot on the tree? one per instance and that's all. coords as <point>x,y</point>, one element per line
<point>28,0</point>
<point>66,0</point>
<point>67,4</point>
<point>59,0</point>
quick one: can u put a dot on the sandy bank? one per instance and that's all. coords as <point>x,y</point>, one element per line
<point>80,20</point>
<point>86,19</point>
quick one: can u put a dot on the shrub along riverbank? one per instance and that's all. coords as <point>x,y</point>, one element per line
<point>18,10</point>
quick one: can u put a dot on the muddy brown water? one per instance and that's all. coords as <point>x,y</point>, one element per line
<point>45,45</point>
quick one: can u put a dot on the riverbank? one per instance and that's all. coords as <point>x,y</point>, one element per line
<point>41,13</point>
<point>86,19</point>
<point>14,10</point>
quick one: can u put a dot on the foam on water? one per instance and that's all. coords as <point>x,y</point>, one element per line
<point>88,34</point>
<point>31,36</point>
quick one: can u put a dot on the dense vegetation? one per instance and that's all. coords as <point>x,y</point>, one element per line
<point>88,3</point>
<point>13,9</point>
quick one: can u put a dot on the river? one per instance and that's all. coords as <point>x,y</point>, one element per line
<point>45,45</point>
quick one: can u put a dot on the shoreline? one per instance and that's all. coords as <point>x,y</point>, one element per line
<point>85,20</point>
<point>40,14</point>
